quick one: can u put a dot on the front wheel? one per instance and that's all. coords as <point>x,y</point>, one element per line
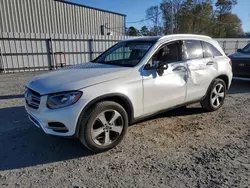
<point>103,126</point>
<point>215,96</point>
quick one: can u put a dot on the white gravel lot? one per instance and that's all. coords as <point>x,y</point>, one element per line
<point>181,148</point>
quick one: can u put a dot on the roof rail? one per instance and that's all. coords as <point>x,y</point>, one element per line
<point>185,35</point>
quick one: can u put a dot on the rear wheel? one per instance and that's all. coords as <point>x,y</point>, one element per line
<point>103,126</point>
<point>215,96</point>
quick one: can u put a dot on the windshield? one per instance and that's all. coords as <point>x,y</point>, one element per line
<point>246,49</point>
<point>125,53</point>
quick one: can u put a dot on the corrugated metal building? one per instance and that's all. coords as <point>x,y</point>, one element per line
<point>57,16</point>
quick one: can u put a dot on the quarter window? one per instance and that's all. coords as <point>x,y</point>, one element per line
<point>206,50</point>
<point>192,49</point>
<point>209,50</point>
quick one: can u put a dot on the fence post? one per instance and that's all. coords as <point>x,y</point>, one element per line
<point>49,53</point>
<point>50,49</point>
<point>224,45</point>
<point>1,62</point>
<point>90,49</point>
<point>236,45</point>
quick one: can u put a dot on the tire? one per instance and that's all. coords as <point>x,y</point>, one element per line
<point>210,103</point>
<point>98,119</point>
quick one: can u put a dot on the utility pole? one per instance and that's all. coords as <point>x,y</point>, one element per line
<point>172,18</point>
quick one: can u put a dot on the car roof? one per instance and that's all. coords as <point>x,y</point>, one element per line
<point>146,39</point>
<point>170,37</point>
<point>166,38</point>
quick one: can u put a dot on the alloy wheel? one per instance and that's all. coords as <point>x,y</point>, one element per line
<point>217,95</point>
<point>107,127</point>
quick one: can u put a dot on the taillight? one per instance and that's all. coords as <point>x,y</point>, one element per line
<point>230,62</point>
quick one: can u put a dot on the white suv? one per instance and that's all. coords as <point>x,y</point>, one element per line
<point>134,79</point>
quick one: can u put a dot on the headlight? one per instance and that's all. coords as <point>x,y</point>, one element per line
<point>63,99</point>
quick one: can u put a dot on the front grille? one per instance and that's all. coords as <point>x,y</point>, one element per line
<point>32,99</point>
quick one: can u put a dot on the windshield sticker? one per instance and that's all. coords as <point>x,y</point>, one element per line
<point>140,47</point>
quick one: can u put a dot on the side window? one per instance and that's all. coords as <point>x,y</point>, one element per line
<point>214,50</point>
<point>167,53</point>
<point>206,50</point>
<point>192,49</point>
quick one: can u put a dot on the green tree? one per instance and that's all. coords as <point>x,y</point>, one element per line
<point>196,17</point>
<point>132,31</point>
<point>170,15</point>
<point>144,31</point>
<point>229,25</point>
<point>247,34</point>
<point>200,17</point>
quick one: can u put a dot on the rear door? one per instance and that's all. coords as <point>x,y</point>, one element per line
<point>202,68</point>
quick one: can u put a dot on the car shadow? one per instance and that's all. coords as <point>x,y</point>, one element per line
<point>23,145</point>
<point>181,111</point>
<point>239,86</point>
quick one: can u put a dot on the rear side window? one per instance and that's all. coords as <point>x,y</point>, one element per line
<point>192,49</point>
<point>209,50</point>
<point>206,50</point>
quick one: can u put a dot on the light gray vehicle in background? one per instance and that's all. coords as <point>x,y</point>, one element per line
<point>134,79</point>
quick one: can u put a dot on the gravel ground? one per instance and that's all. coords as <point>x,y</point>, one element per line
<point>181,148</point>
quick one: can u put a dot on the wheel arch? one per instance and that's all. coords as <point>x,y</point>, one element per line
<point>121,99</point>
<point>225,78</point>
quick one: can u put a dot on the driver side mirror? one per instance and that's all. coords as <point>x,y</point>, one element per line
<point>162,66</point>
<point>238,50</point>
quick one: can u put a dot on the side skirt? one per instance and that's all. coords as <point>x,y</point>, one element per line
<point>144,117</point>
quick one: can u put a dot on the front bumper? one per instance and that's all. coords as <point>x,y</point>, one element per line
<point>43,117</point>
<point>241,67</point>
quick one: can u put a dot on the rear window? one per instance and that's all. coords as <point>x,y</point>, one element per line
<point>192,49</point>
<point>209,50</point>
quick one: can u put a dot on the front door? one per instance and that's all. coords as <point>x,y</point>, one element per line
<point>167,89</point>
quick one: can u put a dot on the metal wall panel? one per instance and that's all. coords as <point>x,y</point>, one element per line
<point>54,16</point>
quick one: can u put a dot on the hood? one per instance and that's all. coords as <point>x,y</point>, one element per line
<point>76,77</point>
<point>239,55</point>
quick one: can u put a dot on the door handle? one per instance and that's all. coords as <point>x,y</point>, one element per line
<point>210,63</point>
<point>179,68</point>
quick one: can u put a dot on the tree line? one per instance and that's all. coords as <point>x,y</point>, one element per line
<point>191,16</point>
